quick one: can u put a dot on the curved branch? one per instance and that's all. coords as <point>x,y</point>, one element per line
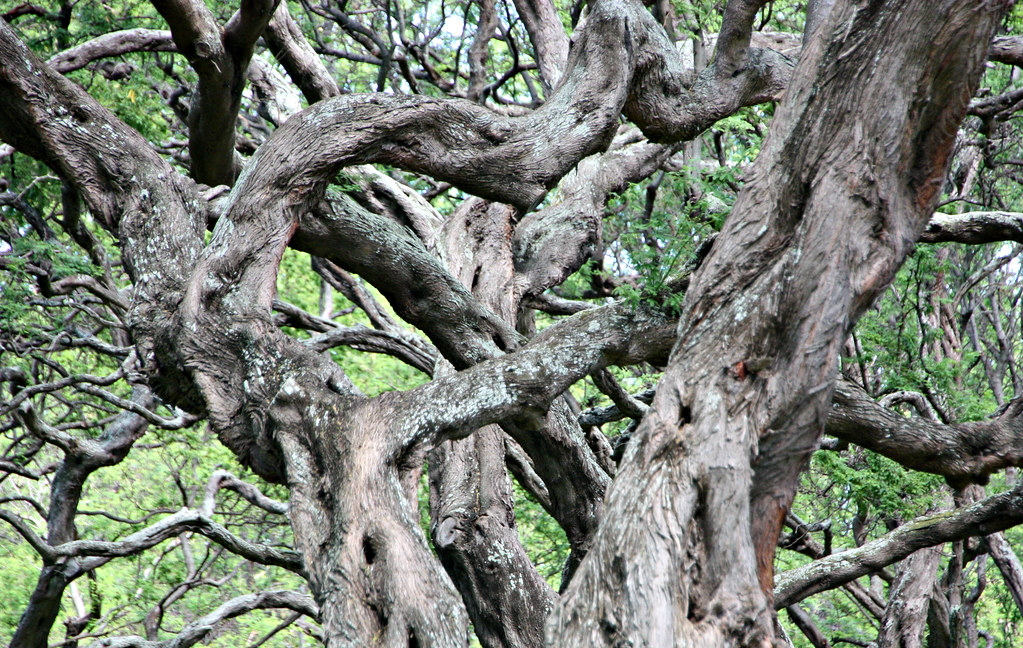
<point>985,517</point>
<point>366,339</point>
<point>112,44</point>
<point>45,551</point>
<point>171,526</point>
<point>198,630</point>
<point>962,452</point>
<point>223,479</point>
<point>285,40</point>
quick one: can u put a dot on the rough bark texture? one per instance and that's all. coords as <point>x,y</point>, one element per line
<point>961,452</point>
<point>471,508</point>
<point>905,618</point>
<point>684,554</point>
<point>706,482</point>
<point>985,517</point>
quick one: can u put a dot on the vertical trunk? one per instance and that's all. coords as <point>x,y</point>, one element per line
<point>471,506</point>
<point>478,543</point>
<point>951,618</point>
<point>367,560</point>
<point>905,616</point>
<point>685,553</point>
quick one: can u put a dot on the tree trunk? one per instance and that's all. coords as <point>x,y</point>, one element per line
<point>471,510</point>
<point>905,617</point>
<point>837,199</point>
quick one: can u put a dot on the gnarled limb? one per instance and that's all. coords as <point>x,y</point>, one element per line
<point>985,517</point>
<point>723,449</point>
<point>199,629</point>
<point>961,452</point>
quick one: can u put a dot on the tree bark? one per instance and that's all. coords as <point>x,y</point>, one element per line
<point>685,554</point>
<point>905,617</point>
<point>1008,564</point>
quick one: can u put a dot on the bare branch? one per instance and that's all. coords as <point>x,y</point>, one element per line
<point>555,305</point>
<point>112,44</point>
<point>611,413</point>
<point>975,228</point>
<point>1008,564</point>
<point>223,479</point>
<point>963,452</point>
<point>1007,49</point>
<point>605,382</point>
<point>734,39</point>
<point>182,420</point>
<point>221,59</point>
<point>47,552</point>
<point>246,26</point>
<point>198,630</point>
<point>171,526</point>
<point>373,341</point>
<point>11,467</point>
<point>987,516</point>
<point>39,428</point>
<point>286,42</point>
<point>530,378</point>
<point>550,43</point>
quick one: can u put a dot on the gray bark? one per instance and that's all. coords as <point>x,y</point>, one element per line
<point>905,617</point>
<point>984,517</point>
<point>784,279</point>
<point>719,453</point>
<point>1008,563</point>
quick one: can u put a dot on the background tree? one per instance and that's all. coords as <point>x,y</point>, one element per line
<point>550,224</point>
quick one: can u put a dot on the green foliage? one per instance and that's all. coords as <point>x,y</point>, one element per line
<point>543,539</point>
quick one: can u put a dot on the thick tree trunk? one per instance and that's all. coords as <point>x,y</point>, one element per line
<point>471,508</point>
<point>685,554</point>
<point>905,618</point>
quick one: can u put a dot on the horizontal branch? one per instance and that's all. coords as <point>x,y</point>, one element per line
<point>198,630</point>
<point>975,228</point>
<point>534,375</point>
<point>364,338</point>
<point>112,44</point>
<point>988,516</point>
<point>609,414</point>
<point>964,451</point>
<point>173,525</point>
<point>1007,49</point>
<point>554,305</point>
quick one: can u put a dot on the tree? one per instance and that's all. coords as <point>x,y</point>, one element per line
<point>673,542</point>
